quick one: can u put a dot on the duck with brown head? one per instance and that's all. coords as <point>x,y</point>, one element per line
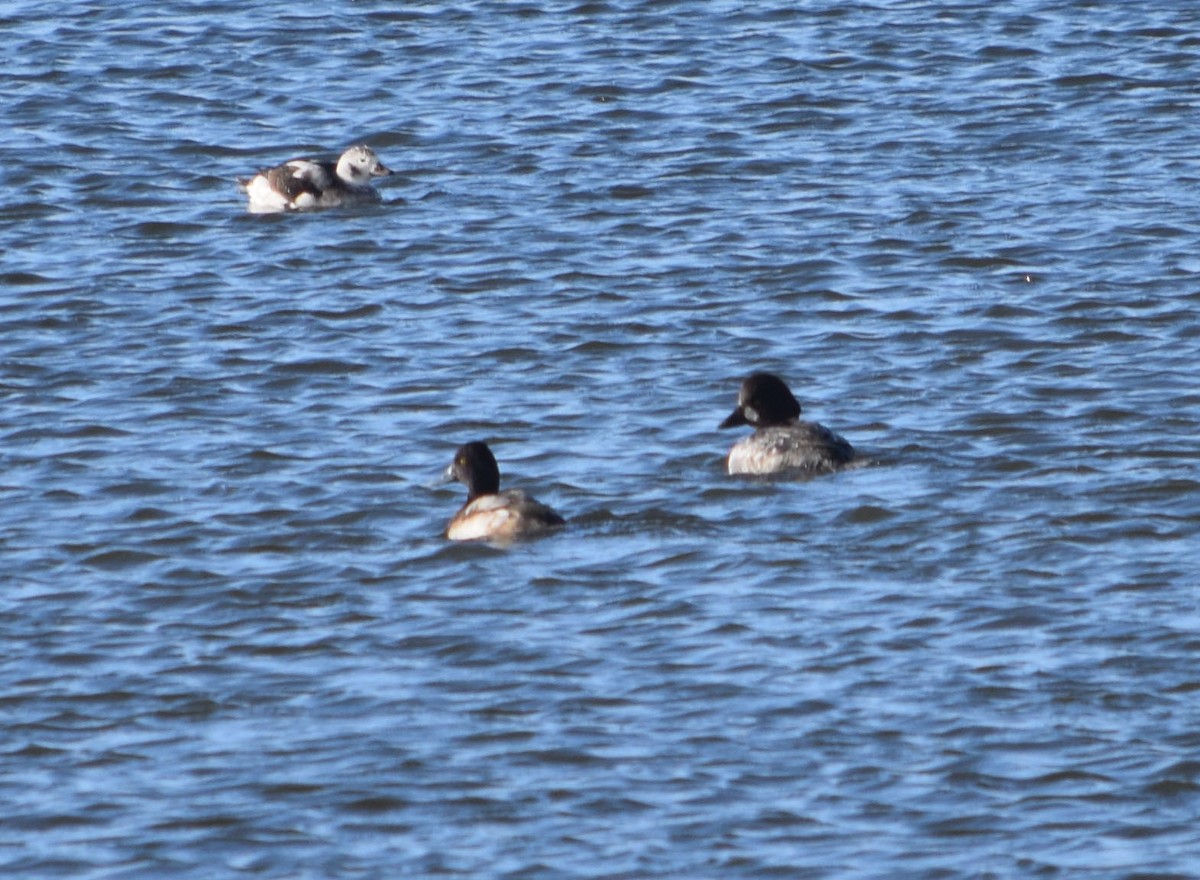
<point>489,514</point>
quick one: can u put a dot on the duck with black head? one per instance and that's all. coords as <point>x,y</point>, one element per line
<point>489,514</point>
<point>781,441</point>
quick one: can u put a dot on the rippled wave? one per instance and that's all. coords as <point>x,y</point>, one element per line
<point>237,641</point>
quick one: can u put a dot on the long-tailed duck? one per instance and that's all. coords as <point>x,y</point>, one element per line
<point>308,183</point>
<point>489,514</point>
<point>782,442</point>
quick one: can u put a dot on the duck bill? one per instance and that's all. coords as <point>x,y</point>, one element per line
<point>735,418</point>
<point>381,170</point>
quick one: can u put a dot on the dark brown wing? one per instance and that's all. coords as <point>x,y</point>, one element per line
<point>291,180</point>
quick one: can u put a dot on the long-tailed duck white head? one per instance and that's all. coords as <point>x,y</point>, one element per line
<point>300,184</point>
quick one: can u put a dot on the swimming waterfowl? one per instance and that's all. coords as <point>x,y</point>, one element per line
<point>489,514</point>
<point>781,441</point>
<point>299,184</point>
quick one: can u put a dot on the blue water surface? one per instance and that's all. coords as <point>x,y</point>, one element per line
<point>235,640</point>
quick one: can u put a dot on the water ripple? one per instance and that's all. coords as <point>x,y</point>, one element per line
<point>238,640</point>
